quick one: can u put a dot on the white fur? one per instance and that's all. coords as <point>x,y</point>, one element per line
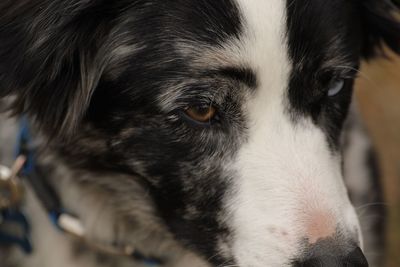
<point>286,172</point>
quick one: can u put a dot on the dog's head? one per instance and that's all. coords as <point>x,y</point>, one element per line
<point>230,111</point>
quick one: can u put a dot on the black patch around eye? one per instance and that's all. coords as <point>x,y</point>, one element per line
<point>334,112</point>
<point>323,42</point>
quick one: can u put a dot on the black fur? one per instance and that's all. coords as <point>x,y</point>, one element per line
<point>342,32</point>
<point>380,26</point>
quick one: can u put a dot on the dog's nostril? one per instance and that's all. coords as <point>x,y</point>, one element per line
<point>354,259</point>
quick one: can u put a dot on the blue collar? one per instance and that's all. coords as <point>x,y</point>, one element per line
<point>50,201</point>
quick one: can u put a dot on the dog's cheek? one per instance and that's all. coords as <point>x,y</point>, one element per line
<point>184,169</point>
<point>191,205</point>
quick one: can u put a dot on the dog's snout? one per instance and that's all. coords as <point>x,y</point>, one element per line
<point>320,225</point>
<point>331,258</point>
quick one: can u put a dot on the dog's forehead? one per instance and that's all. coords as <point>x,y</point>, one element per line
<point>257,31</point>
<point>210,34</point>
<point>311,35</point>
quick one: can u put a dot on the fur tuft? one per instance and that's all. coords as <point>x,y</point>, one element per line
<point>50,65</point>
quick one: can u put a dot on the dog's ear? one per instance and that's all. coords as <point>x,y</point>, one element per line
<point>381,26</point>
<point>50,61</point>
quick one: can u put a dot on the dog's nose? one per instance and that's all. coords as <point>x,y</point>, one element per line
<point>328,259</point>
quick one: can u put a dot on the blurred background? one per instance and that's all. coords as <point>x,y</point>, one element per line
<point>378,93</point>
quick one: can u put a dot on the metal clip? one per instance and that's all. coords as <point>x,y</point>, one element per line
<point>11,190</point>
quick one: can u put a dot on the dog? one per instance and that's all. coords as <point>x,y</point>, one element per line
<point>201,133</point>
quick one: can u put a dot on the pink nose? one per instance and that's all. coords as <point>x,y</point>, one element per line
<point>320,225</point>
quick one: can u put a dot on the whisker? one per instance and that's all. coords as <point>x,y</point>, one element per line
<point>361,210</point>
<point>372,204</point>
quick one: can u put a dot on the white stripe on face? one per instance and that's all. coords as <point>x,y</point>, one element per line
<point>289,186</point>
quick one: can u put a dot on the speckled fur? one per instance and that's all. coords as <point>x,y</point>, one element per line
<point>128,217</point>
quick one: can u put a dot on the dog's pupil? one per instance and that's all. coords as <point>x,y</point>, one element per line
<point>203,111</point>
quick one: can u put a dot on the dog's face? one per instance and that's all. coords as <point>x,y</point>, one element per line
<point>230,111</point>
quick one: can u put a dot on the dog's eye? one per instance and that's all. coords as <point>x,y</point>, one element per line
<point>336,87</point>
<point>202,114</point>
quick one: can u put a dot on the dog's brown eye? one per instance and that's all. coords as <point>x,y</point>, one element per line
<point>201,113</point>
